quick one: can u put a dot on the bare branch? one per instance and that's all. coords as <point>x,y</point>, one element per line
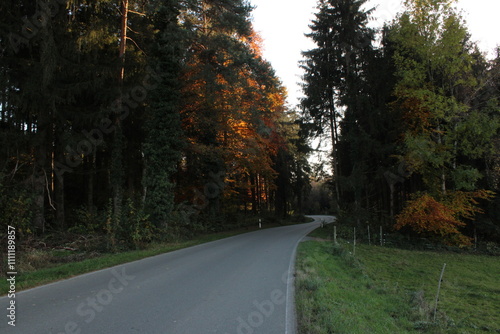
<point>134,12</point>
<point>136,45</point>
<point>48,191</point>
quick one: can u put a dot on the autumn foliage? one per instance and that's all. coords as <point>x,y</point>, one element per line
<point>443,219</point>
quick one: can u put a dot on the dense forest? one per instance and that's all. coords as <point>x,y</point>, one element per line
<point>141,119</point>
<point>147,119</point>
<point>413,114</point>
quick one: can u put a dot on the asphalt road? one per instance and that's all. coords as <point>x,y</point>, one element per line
<point>239,285</point>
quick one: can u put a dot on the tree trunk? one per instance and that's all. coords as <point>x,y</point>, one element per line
<point>443,183</point>
<point>333,130</point>
<point>59,200</point>
<point>58,187</point>
<point>391,200</point>
<point>90,185</point>
<point>253,184</point>
<point>39,202</point>
<point>3,101</point>
<point>123,38</point>
<point>117,154</point>
<point>258,192</point>
<point>443,175</point>
<point>44,124</point>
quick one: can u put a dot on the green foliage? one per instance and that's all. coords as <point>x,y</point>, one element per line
<point>432,72</point>
<point>143,231</point>
<point>163,141</point>
<point>16,209</point>
<point>466,177</point>
<point>474,134</point>
<point>87,220</point>
<point>136,229</point>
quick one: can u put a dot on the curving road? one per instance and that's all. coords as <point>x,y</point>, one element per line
<point>239,285</point>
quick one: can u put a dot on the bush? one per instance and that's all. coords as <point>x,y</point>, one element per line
<point>87,220</point>
<point>442,219</point>
<point>16,209</point>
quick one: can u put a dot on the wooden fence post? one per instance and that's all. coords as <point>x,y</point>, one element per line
<point>381,237</point>
<point>437,294</point>
<point>354,244</point>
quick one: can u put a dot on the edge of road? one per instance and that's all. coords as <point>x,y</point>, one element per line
<point>290,312</point>
<point>290,319</point>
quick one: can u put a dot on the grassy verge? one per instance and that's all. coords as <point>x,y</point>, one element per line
<point>388,290</point>
<point>53,265</point>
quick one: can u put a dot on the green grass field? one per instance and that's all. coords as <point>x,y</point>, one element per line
<point>388,290</point>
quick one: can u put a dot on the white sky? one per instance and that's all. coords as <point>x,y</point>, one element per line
<point>282,24</point>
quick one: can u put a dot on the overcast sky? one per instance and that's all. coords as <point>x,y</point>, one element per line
<point>282,24</point>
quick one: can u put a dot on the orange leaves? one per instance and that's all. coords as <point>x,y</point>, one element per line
<point>426,215</point>
<point>231,110</point>
<point>416,115</point>
<point>254,42</point>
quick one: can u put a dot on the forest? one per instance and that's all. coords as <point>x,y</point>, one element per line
<point>145,120</point>
<point>413,114</point>
<point>141,120</point>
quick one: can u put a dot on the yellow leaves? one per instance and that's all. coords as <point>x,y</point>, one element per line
<point>465,204</point>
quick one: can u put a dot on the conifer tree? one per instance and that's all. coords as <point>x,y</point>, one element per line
<point>333,70</point>
<point>162,148</point>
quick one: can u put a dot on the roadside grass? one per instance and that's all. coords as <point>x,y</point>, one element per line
<point>333,295</point>
<point>390,290</point>
<point>469,300</point>
<point>323,232</point>
<point>40,267</point>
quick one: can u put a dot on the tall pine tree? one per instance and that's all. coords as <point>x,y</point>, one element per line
<point>162,148</point>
